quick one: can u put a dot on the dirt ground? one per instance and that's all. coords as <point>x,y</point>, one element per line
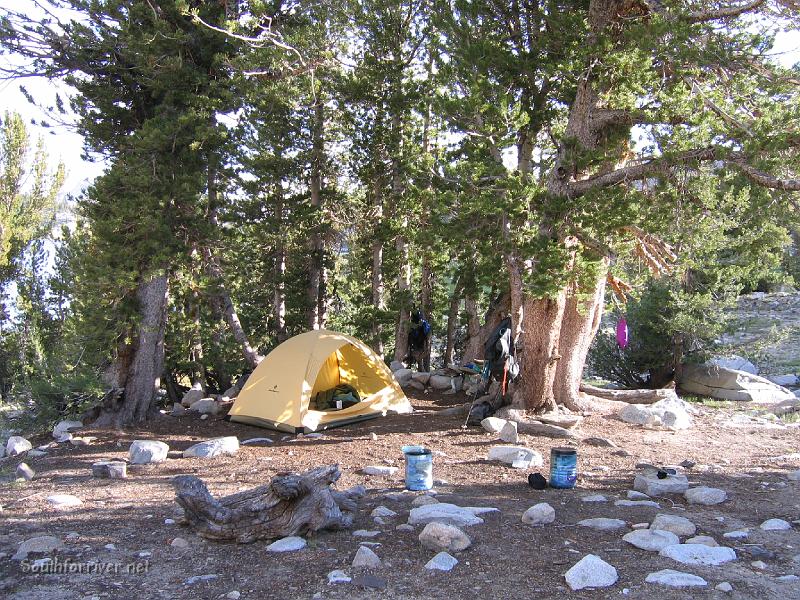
<point>507,559</point>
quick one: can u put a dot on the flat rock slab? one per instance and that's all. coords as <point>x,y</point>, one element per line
<point>379,470</point>
<point>449,514</point>
<point>591,572</point>
<point>61,501</point>
<point>258,440</point>
<point>676,579</point>
<point>228,445</point>
<point>675,524</point>
<point>650,484</point>
<point>43,544</point>
<point>594,498</point>
<point>602,524</point>
<point>635,503</point>
<point>287,544</point>
<point>652,540</point>
<point>518,457</point>
<point>63,427</point>
<point>338,576</point>
<point>442,562</point>
<point>493,424</point>
<point>698,554</point>
<point>707,496</point>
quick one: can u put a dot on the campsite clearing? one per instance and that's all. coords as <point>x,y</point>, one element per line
<point>129,521</point>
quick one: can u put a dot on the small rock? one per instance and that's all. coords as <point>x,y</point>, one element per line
<point>677,579</point>
<point>258,440</point>
<point>697,554</point>
<point>86,440</point>
<point>675,524</point>
<point>373,436</point>
<point>736,535</point>
<point>287,544</point>
<point>648,503</point>
<point>36,453</point>
<point>705,540</point>
<point>60,501</point>
<point>228,445</point>
<point>142,452</point>
<point>424,501</point>
<point>598,441</point>
<point>234,595</point>
<point>707,496</point>
<point>63,427</point>
<point>591,572</point>
<point>17,445</point>
<point>602,523</point>
<point>441,537</point>
<point>337,576</point>
<point>634,495</point>
<point>205,406</point>
<point>493,424</point>
<point>380,470</point>
<point>775,525</point>
<point>509,433</point>
<point>366,558</point>
<point>594,498</point>
<point>72,537</point>
<point>200,579</point>
<point>366,534</point>
<point>652,540</point>
<point>25,472</point>
<point>794,475</point>
<point>650,484</point>
<point>441,562</point>
<point>42,544</point>
<point>110,547</point>
<point>640,526</point>
<point>169,521</point>
<point>383,512</point>
<point>203,417</point>
<point>758,564</point>
<point>179,543</point>
<point>539,514</point>
<point>192,396</point>
<point>787,578</point>
<point>404,527</point>
<point>724,587</point>
<point>110,469</point>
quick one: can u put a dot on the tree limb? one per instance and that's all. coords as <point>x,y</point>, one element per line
<point>724,12</point>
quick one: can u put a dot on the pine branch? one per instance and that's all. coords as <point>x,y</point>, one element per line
<point>765,179</point>
<point>724,12</point>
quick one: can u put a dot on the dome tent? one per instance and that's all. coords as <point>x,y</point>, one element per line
<point>280,391</point>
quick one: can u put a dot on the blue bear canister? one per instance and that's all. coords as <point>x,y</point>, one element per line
<point>563,467</point>
<point>419,468</point>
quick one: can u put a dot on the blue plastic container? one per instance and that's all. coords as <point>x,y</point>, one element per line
<point>563,468</point>
<point>419,468</point>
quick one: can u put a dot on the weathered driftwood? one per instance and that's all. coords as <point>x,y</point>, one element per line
<point>630,396</point>
<point>291,504</point>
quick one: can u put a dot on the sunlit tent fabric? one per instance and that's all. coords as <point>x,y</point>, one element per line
<point>280,391</point>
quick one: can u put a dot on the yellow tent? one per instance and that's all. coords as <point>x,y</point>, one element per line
<point>280,392</point>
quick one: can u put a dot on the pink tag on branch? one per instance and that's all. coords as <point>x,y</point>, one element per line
<point>622,333</point>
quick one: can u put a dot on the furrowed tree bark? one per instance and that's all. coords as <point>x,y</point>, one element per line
<point>496,312</point>
<point>291,504</point>
<point>579,325</point>
<point>452,321</point>
<point>142,378</point>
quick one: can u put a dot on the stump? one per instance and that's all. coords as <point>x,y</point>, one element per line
<point>110,469</point>
<point>291,504</point>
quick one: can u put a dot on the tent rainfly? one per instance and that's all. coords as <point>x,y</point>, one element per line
<point>280,392</point>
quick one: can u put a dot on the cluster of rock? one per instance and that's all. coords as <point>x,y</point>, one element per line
<point>195,400</point>
<point>441,379</point>
<point>142,452</point>
<point>671,413</point>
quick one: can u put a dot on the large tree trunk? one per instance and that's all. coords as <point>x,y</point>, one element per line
<point>198,364</point>
<point>579,325</point>
<point>279,274</point>
<point>404,291</point>
<point>142,378</point>
<point>316,244</point>
<point>289,505</point>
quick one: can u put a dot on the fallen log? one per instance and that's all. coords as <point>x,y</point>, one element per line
<point>291,504</point>
<point>630,396</point>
